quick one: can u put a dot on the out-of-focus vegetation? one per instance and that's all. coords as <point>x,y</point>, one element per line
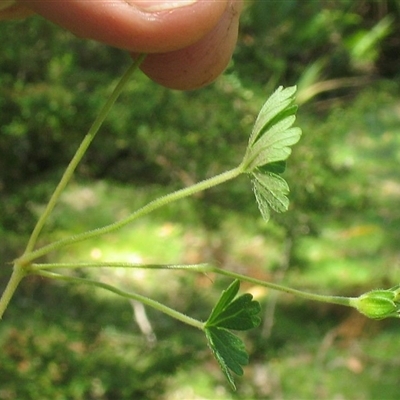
<point>340,235</point>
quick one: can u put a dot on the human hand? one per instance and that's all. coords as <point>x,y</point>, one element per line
<point>189,42</point>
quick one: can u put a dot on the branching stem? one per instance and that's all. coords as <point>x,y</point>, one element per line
<point>80,153</point>
<point>153,205</point>
<point>16,277</point>
<point>23,263</point>
<point>207,268</point>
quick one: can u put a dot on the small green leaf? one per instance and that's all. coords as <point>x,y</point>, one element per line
<point>230,313</point>
<point>239,315</point>
<point>271,192</point>
<point>226,297</point>
<point>277,103</point>
<point>228,350</point>
<point>269,146</point>
<point>273,147</point>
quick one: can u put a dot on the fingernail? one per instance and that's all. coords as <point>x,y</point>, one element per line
<point>160,5</point>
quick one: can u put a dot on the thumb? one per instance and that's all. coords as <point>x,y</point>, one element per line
<point>200,63</point>
<point>189,42</point>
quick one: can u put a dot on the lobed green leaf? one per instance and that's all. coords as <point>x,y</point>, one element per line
<point>229,351</point>
<point>273,146</point>
<point>240,314</point>
<point>226,297</point>
<point>269,146</point>
<point>279,102</point>
<point>271,192</point>
<point>230,313</point>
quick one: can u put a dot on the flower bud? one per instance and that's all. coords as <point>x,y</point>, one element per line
<point>379,304</point>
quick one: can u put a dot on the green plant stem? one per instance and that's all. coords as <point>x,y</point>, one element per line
<point>80,153</point>
<point>16,277</point>
<point>207,268</point>
<point>340,300</point>
<point>21,265</point>
<point>110,264</point>
<point>130,295</point>
<point>153,205</point>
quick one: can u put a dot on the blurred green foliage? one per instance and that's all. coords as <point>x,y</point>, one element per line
<point>340,235</point>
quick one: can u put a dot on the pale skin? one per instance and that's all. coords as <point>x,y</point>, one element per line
<point>189,42</point>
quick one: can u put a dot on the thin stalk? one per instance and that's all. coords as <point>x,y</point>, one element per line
<point>130,295</point>
<point>208,268</point>
<point>20,265</point>
<point>34,267</point>
<point>340,300</point>
<point>80,152</point>
<point>16,277</point>
<point>153,205</point>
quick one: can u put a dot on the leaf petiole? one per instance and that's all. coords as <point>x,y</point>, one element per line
<point>153,205</point>
<point>204,268</point>
<point>110,264</point>
<point>129,295</point>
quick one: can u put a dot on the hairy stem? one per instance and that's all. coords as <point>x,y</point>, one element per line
<point>21,265</point>
<point>110,264</point>
<point>129,295</point>
<point>16,277</point>
<point>340,300</point>
<point>208,268</point>
<point>80,153</point>
<point>153,205</point>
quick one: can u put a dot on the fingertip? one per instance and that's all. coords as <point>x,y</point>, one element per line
<point>201,63</point>
<point>188,46</point>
